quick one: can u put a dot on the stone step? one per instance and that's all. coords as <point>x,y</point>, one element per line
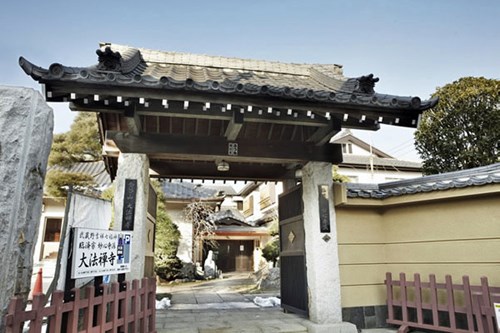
<point>228,321</point>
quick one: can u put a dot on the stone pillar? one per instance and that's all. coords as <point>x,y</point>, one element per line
<point>134,166</point>
<point>26,125</point>
<point>322,261</point>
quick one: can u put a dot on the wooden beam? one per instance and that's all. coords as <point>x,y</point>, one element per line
<point>208,170</point>
<point>324,134</point>
<point>162,146</point>
<point>356,110</point>
<point>132,119</point>
<point>194,110</point>
<point>234,126</point>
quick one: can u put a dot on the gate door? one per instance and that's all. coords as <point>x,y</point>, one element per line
<point>292,252</point>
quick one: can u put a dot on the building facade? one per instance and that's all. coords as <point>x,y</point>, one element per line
<point>363,163</point>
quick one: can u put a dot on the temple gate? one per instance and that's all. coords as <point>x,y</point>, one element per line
<point>192,116</point>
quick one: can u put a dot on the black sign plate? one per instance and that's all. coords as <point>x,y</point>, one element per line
<point>129,204</point>
<point>324,208</point>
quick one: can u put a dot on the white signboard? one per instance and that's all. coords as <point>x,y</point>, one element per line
<point>497,313</point>
<point>100,252</point>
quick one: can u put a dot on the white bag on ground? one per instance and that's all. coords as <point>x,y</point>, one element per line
<point>267,302</point>
<point>162,304</point>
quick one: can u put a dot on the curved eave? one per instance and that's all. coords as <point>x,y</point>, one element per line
<point>58,73</point>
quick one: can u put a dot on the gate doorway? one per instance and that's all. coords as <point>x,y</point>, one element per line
<point>185,116</point>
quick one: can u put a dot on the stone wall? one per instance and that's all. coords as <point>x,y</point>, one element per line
<point>26,125</point>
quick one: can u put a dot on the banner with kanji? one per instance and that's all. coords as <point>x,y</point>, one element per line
<point>100,252</point>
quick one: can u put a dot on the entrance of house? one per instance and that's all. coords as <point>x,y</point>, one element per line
<point>235,255</point>
<point>232,255</point>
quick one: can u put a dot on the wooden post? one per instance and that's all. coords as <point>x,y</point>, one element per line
<point>434,300</point>
<point>418,298</point>
<point>468,302</point>
<point>404,303</point>
<point>451,302</point>
<point>390,295</point>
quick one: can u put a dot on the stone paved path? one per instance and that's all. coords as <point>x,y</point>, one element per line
<point>228,321</point>
<point>222,306</point>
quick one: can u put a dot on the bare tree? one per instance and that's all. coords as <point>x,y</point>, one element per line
<point>200,215</point>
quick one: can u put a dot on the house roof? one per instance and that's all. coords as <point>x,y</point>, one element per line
<point>226,190</point>
<point>189,191</point>
<point>381,160</point>
<point>346,136</point>
<point>380,163</point>
<point>445,181</point>
<point>95,169</point>
<point>228,217</point>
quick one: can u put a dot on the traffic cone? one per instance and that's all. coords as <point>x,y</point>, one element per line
<point>38,288</point>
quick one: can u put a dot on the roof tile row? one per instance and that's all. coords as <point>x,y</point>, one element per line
<point>458,179</point>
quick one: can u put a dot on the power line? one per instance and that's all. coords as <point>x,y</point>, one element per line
<point>401,144</point>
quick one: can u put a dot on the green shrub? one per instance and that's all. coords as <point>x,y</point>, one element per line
<point>271,251</point>
<point>168,267</point>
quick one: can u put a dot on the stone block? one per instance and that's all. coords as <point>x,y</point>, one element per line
<point>26,125</point>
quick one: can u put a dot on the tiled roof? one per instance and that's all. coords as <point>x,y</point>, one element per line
<point>222,189</point>
<point>95,169</point>
<point>142,68</point>
<point>379,162</point>
<point>188,191</point>
<point>458,179</point>
<point>225,214</point>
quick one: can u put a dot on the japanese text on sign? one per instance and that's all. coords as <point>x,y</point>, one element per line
<point>129,204</point>
<point>324,209</point>
<point>100,252</point>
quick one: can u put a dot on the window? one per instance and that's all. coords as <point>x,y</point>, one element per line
<point>267,195</point>
<point>248,206</point>
<point>52,229</point>
<point>347,148</point>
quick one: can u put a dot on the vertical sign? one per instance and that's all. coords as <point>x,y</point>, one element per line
<point>129,204</point>
<point>324,208</point>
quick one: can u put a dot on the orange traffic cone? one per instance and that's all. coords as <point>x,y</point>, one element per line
<point>38,289</point>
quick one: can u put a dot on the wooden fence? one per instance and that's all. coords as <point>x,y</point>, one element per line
<point>130,310</point>
<point>445,307</point>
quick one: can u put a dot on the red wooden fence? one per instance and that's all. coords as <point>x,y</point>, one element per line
<point>130,310</point>
<point>445,307</point>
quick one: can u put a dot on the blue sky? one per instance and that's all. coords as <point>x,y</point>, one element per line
<point>412,46</point>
